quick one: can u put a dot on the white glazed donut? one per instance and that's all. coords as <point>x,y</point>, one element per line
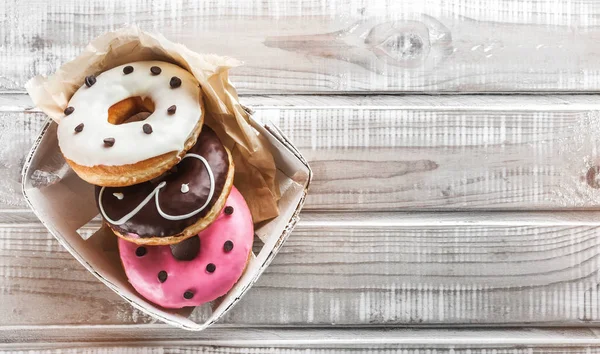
<point>106,150</point>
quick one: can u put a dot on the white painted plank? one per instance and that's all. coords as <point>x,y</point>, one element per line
<point>408,153</point>
<point>332,46</point>
<point>355,269</point>
<point>218,339</point>
<point>19,102</point>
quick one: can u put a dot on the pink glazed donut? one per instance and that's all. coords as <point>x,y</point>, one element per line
<point>222,254</point>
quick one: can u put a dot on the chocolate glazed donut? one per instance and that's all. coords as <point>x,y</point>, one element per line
<point>169,204</point>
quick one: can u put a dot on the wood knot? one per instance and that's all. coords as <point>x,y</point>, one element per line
<point>422,41</point>
<point>592,178</point>
<point>403,46</point>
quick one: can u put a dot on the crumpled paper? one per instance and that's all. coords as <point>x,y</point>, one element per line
<point>254,165</point>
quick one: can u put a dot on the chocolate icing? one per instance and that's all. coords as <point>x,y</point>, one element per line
<point>148,222</point>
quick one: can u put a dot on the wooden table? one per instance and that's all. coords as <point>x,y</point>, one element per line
<point>435,224</point>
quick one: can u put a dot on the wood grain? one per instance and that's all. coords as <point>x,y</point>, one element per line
<point>333,46</point>
<point>408,153</point>
<point>361,256</point>
<point>307,349</point>
<point>219,339</point>
<point>355,269</point>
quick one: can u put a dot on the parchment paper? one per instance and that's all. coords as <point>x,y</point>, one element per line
<point>254,166</point>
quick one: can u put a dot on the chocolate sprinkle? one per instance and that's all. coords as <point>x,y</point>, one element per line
<point>228,246</point>
<point>79,128</point>
<point>172,109</point>
<point>175,82</point>
<point>69,110</point>
<point>128,70</point>
<point>155,70</point>
<point>109,142</point>
<point>147,128</point>
<point>211,267</point>
<point>228,210</point>
<point>162,276</point>
<point>140,251</point>
<point>188,295</point>
<point>90,80</point>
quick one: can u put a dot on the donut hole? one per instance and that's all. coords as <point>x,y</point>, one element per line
<point>186,250</point>
<point>129,110</point>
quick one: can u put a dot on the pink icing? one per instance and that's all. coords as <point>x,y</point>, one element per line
<point>194,276</point>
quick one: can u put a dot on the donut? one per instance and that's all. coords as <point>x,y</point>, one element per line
<point>176,205</point>
<point>104,137</point>
<point>204,268</point>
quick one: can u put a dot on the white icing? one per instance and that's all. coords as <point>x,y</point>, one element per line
<point>119,196</point>
<point>154,194</point>
<point>185,188</point>
<point>131,144</point>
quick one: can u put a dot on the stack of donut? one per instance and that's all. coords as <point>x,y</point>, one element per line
<point>164,181</point>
